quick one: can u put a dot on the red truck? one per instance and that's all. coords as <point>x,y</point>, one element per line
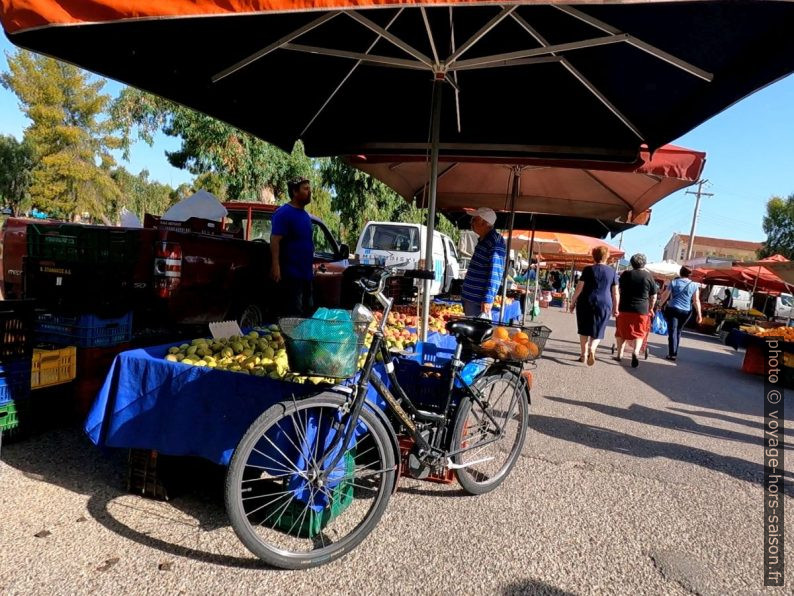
<point>168,273</point>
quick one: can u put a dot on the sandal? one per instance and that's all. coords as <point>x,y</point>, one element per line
<point>590,359</point>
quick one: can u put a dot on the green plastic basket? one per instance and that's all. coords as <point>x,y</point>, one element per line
<point>323,348</point>
<point>8,416</point>
<point>314,522</point>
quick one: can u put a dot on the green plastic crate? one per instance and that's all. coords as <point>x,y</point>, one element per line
<point>314,522</point>
<point>8,416</point>
<point>75,243</point>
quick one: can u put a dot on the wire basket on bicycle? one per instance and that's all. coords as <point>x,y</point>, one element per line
<point>514,343</point>
<point>322,347</point>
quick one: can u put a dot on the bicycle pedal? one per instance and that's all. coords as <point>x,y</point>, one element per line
<point>454,466</point>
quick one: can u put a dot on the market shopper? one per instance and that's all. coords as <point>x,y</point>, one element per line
<point>637,299</point>
<point>679,298</point>
<point>484,275</point>
<point>595,299</point>
<point>292,250</point>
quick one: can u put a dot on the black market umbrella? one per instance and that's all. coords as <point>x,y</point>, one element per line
<point>594,81</point>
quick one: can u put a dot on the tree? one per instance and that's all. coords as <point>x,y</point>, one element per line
<point>16,164</point>
<point>69,136</point>
<point>247,167</point>
<point>359,198</point>
<point>141,195</point>
<point>778,226</point>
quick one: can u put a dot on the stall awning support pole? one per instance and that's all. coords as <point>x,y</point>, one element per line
<point>513,196</point>
<point>529,268</point>
<point>435,131</point>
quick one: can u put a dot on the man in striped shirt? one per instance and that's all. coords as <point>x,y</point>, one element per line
<point>484,275</point>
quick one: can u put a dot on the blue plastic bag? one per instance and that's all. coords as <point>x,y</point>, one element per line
<point>659,325</point>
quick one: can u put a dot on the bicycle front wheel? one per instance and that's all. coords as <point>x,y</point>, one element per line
<point>280,504</point>
<point>491,431</point>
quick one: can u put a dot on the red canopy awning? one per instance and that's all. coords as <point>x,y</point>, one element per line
<point>753,275</point>
<point>578,189</point>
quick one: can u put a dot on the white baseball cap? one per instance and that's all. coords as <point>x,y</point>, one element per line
<point>486,214</point>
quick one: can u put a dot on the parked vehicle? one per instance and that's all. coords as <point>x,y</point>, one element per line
<point>389,243</point>
<point>742,299</point>
<point>169,273</point>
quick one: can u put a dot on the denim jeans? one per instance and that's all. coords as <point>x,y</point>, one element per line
<point>676,319</point>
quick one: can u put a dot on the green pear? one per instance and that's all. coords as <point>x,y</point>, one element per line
<point>173,350</point>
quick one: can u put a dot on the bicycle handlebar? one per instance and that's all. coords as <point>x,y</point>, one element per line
<point>375,282</point>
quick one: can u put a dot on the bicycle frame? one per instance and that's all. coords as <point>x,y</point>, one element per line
<point>401,404</point>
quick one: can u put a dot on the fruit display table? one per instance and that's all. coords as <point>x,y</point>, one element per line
<point>512,310</point>
<point>147,402</point>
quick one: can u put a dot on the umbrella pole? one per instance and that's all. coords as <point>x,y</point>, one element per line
<point>529,268</point>
<point>513,195</point>
<point>435,130</point>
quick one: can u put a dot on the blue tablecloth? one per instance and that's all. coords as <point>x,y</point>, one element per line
<point>147,402</point>
<point>512,311</point>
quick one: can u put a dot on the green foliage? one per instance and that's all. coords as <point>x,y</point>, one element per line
<point>16,164</point>
<point>778,225</point>
<point>246,167</point>
<point>236,166</point>
<point>141,195</point>
<point>70,140</point>
<point>359,198</point>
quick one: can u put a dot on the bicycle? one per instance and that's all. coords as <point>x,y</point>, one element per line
<point>311,478</point>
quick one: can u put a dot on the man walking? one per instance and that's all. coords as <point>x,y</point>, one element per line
<point>484,274</point>
<point>292,250</point>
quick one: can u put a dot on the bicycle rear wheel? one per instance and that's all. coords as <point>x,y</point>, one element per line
<point>278,504</point>
<point>492,432</point>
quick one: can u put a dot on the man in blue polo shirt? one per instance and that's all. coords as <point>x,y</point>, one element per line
<point>484,275</point>
<point>292,249</point>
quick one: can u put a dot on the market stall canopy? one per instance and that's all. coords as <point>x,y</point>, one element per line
<point>755,276</point>
<point>585,226</point>
<point>664,269</point>
<point>563,248</point>
<point>586,192</point>
<point>202,204</point>
<point>531,79</point>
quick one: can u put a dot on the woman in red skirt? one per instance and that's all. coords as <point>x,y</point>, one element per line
<point>637,299</point>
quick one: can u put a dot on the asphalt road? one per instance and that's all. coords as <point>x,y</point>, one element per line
<point>643,481</point>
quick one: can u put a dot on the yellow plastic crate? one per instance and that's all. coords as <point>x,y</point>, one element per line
<point>53,367</point>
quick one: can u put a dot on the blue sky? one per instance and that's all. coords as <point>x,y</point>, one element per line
<point>750,158</point>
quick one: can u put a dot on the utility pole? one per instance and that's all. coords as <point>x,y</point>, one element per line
<point>699,193</point>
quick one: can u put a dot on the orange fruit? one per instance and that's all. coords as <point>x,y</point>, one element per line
<point>489,344</point>
<point>520,336</point>
<point>501,333</point>
<point>534,350</point>
<point>520,352</point>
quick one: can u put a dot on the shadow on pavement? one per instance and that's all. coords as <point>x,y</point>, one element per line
<point>66,458</point>
<point>531,587</point>
<point>664,419</point>
<point>609,440</point>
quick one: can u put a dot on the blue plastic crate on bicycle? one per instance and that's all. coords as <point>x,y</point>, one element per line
<point>14,381</point>
<point>424,375</point>
<point>84,331</point>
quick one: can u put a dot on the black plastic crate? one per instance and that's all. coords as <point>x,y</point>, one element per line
<point>16,330</point>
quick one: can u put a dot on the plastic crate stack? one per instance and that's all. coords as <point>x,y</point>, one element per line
<point>16,351</point>
<point>87,345</point>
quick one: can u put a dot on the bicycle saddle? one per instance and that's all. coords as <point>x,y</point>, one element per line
<point>476,331</point>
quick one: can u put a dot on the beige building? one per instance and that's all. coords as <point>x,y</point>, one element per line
<point>720,248</point>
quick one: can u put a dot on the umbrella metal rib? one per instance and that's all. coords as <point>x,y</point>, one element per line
<point>444,71</point>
